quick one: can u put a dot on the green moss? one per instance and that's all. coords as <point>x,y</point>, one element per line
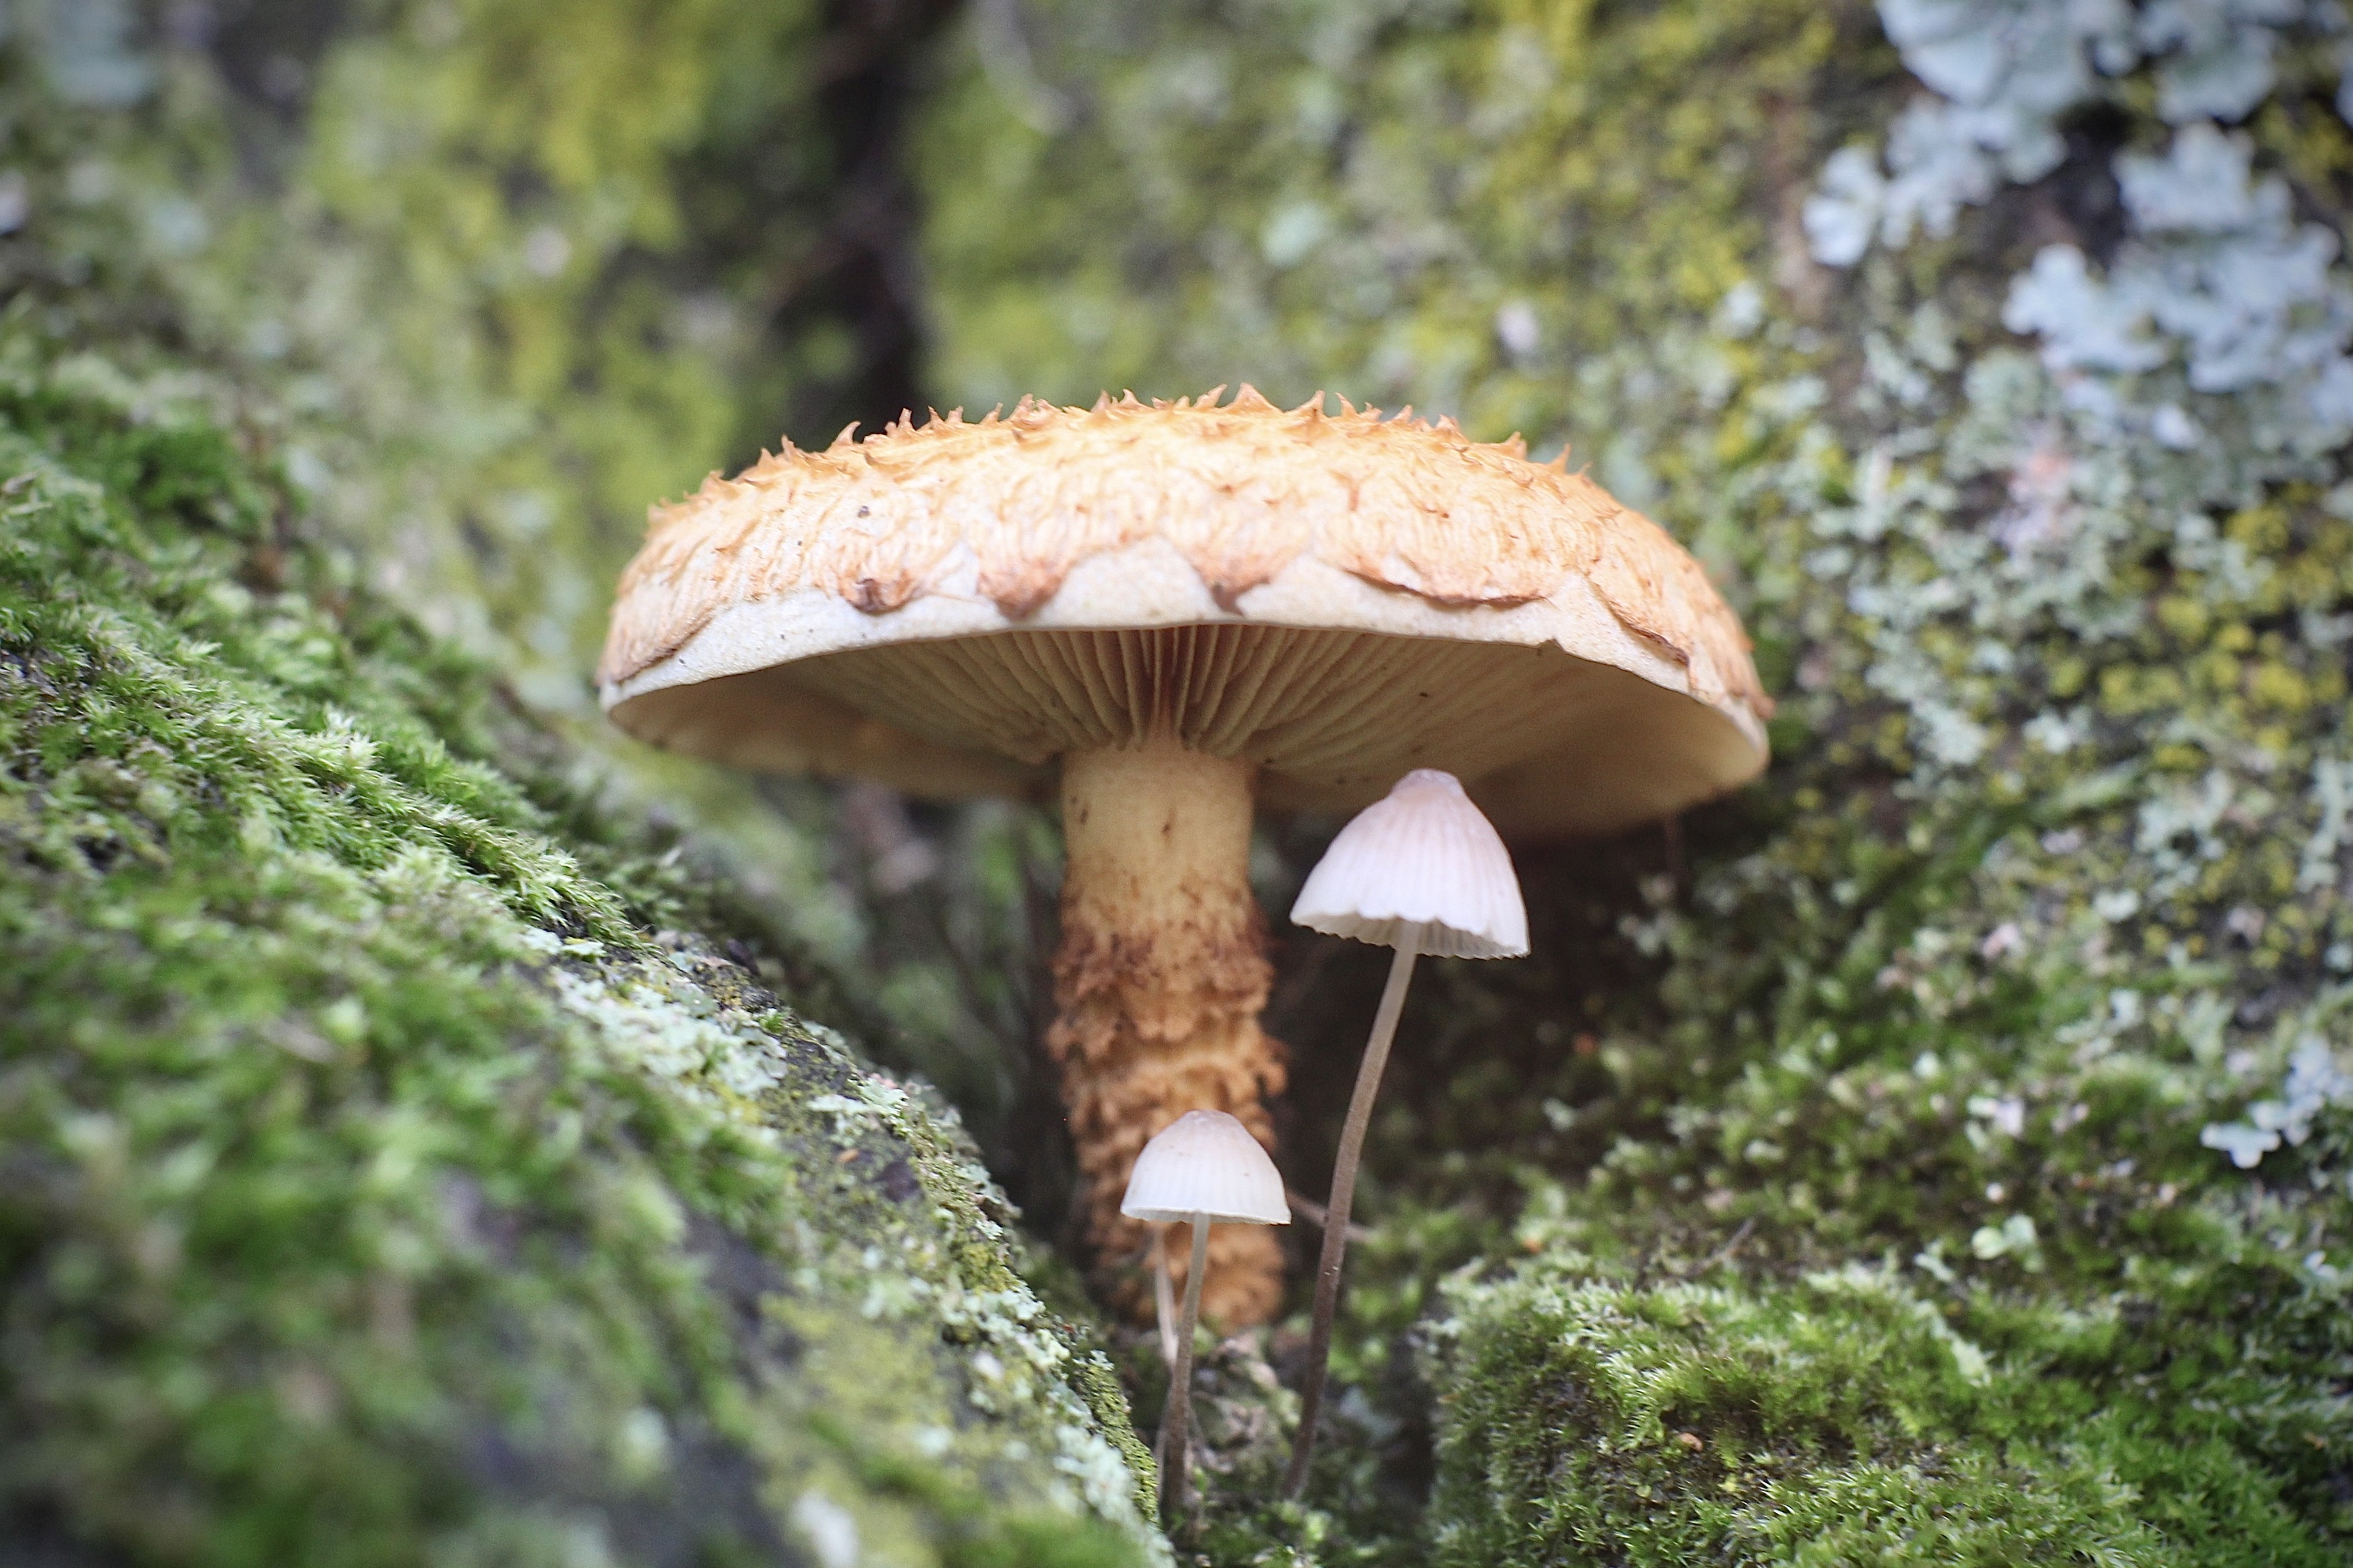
<point>1842,1417</point>
<point>380,1186</point>
<point>496,281</point>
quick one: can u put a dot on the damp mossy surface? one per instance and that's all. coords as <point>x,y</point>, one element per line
<point>389,1176</point>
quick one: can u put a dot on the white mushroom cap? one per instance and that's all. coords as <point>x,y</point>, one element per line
<point>1204,1165</point>
<point>1422,855</point>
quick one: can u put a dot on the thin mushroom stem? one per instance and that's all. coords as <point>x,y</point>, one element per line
<point>1163,1299</point>
<point>1344,1196</point>
<point>1164,1302</point>
<point>1177,1421</point>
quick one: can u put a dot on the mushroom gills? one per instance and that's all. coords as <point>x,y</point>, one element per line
<point>1330,717</point>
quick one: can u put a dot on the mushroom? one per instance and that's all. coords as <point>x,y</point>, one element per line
<point>1172,611</point>
<point>1419,870</point>
<point>1204,1167</point>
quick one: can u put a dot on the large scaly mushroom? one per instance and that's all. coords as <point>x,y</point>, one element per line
<point>1172,610</point>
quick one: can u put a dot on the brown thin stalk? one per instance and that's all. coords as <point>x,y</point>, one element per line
<point>1163,1319</point>
<point>1177,1421</point>
<point>1344,1197</point>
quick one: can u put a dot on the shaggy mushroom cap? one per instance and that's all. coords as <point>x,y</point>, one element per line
<point>1205,1165</point>
<point>1334,599</point>
<point>1423,856</point>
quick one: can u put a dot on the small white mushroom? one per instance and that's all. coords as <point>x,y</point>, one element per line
<point>1204,1168</point>
<point>1420,870</point>
<point>1421,856</point>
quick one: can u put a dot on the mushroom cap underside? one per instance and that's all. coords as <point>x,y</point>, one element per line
<point>1548,743</point>
<point>1338,599</point>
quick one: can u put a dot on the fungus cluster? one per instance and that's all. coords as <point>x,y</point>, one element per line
<point>1170,613</point>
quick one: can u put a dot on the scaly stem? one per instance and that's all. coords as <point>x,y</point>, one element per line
<point>1344,1196</point>
<point>1158,983</point>
<point>1177,1421</point>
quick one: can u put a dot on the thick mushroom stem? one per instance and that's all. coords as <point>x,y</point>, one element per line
<point>1344,1197</point>
<point>1158,985</point>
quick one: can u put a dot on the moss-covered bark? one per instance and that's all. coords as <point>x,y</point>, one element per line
<point>405,1158</point>
<point>388,1178</point>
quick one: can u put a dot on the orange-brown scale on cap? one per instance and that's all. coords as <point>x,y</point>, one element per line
<point>1241,490</point>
